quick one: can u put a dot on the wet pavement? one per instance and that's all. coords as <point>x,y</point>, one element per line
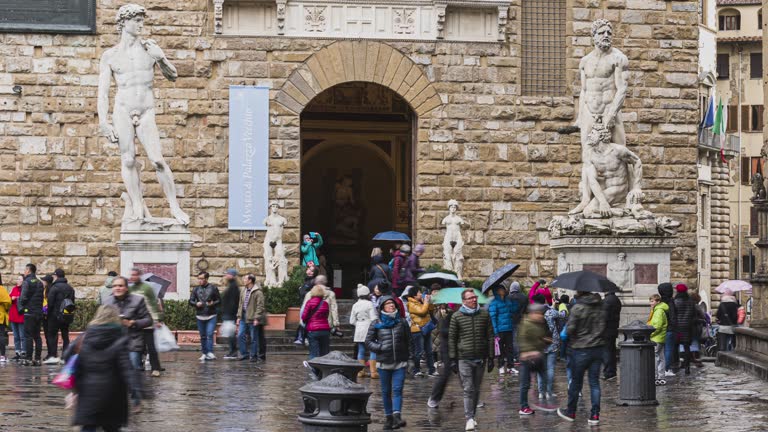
<point>240,396</point>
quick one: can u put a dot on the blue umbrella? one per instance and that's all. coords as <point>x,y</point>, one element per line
<point>499,276</point>
<point>392,236</point>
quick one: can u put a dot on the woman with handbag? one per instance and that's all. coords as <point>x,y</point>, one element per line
<point>103,373</point>
<point>363,313</point>
<point>421,330</point>
<point>315,318</point>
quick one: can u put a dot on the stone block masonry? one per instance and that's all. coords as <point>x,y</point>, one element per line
<point>479,140</point>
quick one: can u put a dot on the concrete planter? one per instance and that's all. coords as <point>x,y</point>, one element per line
<point>292,316</point>
<point>275,322</point>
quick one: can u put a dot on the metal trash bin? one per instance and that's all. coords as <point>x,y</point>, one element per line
<point>335,404</point>
<point>637,384</point>
<point>336,362</point>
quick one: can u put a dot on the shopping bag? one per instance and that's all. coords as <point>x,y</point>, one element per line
<point>496,348</point>
<point>164,339</point>
<point>227,329</point>
<point>66,376</point>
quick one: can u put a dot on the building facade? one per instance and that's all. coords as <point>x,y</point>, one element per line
<point>406,106</point>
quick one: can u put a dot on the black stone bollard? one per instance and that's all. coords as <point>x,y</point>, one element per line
<point>335,404</point>
<point>638,367</point>
<point>336,362</point>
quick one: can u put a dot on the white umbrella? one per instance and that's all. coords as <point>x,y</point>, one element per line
<point>734,286</point>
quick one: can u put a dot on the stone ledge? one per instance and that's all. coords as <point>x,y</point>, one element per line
<point>752,363</point>
<point>608,241</point>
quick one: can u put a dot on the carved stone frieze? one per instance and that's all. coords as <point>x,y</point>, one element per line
<point>314,19</point>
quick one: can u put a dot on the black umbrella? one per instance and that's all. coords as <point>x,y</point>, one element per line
<point>584,280</point>
<point>499,276</point>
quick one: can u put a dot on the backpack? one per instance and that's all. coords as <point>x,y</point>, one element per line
<point>67,311</point>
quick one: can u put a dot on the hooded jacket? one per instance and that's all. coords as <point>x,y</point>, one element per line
<point>587,323</point>
<point>420,313</point>
<point>103,377</point>
<point>309,250</point>
<point>230,301</point>
<point>470,336</point>
<point>502,310</point>
<point>15,315</point>
<point>658,320</point>
<point>685,316</point>
<point>521,300</point>
<point>412,270</point>
<point>133,307</point>
<point>32,294</point>
<point>665,291</point>
<point>727,311</point>
<point>143,289</point>
<point>398,271</point>
<point>391,345</point>
<point>362,315</point>
<point>612,309</point>
<point>59,291</point>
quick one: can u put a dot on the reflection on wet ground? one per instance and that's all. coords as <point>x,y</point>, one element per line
<point>241,396</point>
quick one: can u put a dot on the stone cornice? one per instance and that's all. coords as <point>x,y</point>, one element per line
<point>598,242</point>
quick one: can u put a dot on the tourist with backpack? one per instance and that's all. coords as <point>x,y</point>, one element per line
<point>61,313</point>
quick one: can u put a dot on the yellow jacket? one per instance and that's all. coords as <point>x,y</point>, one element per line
<point>419,313</point>
<point>5,305</point>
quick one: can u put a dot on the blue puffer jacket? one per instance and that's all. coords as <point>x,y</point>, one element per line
<point>501,311</point>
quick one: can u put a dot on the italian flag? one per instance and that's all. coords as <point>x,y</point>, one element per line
<point>721,120</point>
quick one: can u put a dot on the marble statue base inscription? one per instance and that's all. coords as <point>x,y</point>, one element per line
<point>636,264</point>
<point>162,248</point>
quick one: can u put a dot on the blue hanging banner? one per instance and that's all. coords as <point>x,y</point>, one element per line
<point>248,157</point>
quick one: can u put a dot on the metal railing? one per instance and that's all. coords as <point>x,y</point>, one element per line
<point>711,141</point>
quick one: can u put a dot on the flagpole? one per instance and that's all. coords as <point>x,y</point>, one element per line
<point>738,118</point>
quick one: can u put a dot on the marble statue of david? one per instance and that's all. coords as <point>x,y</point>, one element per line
<point>131,63</point>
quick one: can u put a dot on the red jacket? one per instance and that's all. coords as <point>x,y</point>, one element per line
<point>15,316</point>
<point>319,319</point>
<point>537,289</point>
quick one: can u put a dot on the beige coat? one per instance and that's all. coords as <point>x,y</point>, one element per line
<point>256,308</point>
<point>330,297</point>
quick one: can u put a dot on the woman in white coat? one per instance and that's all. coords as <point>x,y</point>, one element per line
<point>363,313</point>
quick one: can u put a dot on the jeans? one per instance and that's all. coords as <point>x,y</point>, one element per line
<point>3,339</point>
<point>392,382</point>
<point>135,358</point>
<point>686,348</point>
<point>609,357</point>
<point>206,329</point>
<point>438,388</point>
<point>507,348</point>
<point>526,367</point>
<point>319,343</point>
<point>421,343</point>
<point>670,342</point>
<point>18,337</point>
<point>585,360</point>
<point>360,350</point>
<point>32,325</point>
<point>658,353</point>
<point>471,374</point>
<point>149,345</point>
<point>549,373</point>
<point>52,336</point>
<point>263,342</point>
<point>245,330</point>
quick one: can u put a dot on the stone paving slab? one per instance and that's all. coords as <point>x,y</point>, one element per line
<point>233,396</point>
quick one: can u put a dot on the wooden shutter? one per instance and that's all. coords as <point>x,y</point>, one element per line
<point>745,171</point>
<point>756,65</point>
<point>752,221</point>
<point>733,118</point>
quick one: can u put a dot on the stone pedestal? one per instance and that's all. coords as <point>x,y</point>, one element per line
<point>163,251</point>
<point>644,265</point>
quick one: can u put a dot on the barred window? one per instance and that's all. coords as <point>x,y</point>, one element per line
<point>543,41</point>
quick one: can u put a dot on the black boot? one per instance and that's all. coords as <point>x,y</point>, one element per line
<point>388,423</point>
<point>398,421</point>
<point>687,369</point>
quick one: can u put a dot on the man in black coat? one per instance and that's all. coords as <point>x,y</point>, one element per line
<point>612,310</point>
<point>31,305</point>
<point>57,293</point>
<point>229,302</point>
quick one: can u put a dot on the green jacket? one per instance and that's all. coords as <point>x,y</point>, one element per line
<point>150,298</point>
<point>470,336</point>
<point>256,308</point>
<point>587,323</point>
<point>531,336</point>
<point>659,321</point>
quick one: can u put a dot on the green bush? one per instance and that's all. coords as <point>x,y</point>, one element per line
<point>84,313</point>
<point>179,315</point>
<point>292,285</point>
<point>278,300</point>
<point>436,268</point>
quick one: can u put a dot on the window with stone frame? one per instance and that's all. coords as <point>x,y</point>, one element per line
<point>755,118</point>
<point>729,19</point>
<point>723,66</point>
<point>748,264</point>
<point>543,41</point>
<point>750,166</point>
<point>756,65</point>
<point>733,119</point>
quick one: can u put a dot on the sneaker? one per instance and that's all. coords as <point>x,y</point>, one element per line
<point>230,356</point>
<point>155,373</point>
<point>3,359</point>
<point>565,416</point>
<point>51,361</point>
<point>594,420</point>
<point>298,342</point>
<point>526,411</point>
<point>210,356</point>
<point>433,374</point>
<point>17,357</point>
<point>480,404</point>
<point>36,362</point>
<point>541,396</point>
<point>513,371</point>
<point>24,362</point>
<point>669,373</point>
<point>203,358</point>
<point>471,424</point>
<point>242,357</point>
<point>610,378</point>
<point>502,370</point>
<point>432,403</point>
<point>662,382</point>
<point>418,374</point>
<point>550,396</point>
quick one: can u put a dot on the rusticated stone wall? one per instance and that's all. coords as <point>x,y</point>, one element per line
<point>479,140</point>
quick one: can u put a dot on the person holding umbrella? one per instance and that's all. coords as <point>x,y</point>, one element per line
<point>502,309</point>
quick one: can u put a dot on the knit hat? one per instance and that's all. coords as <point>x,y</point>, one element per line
<point>681,288</point>
<point>362,290</point>
<point>232,272</point>
<point>419,248</point>
<point>405,248</point>
<point>515,287</point>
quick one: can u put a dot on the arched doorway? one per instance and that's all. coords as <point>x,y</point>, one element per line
<point>356,173</point>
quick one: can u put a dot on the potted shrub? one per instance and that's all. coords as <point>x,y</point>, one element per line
<point>277,301</point>
<point>292,286</point>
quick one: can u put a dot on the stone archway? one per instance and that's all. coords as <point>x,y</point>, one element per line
<point>368,61</point>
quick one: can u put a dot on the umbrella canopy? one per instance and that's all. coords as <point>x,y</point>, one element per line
<point>453,295</point>
<point>499,276</point>
<point>734,286</point>
<point>584,280</point>
<point>158,284</point>
<point>444,279</point>
<point>392,236</point>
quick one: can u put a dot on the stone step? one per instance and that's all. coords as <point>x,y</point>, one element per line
<point>751,362</point>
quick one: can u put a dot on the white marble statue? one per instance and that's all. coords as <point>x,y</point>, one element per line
<point>622,273</point>
<point>453,243</point>
<point>563,266</point>
<point>611,176</point>
<point>275,262</point>
<point>131,63</point>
